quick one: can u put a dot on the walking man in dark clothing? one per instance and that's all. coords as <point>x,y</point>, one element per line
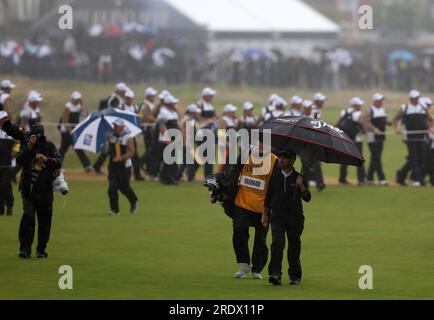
<point>283,208</point>
<point>39,159</point>
<point>121,150</point>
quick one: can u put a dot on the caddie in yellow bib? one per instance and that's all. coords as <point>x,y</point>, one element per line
<point>253,188</point>
<point>249,204</point>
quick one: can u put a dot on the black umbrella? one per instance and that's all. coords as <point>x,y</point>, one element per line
<point>313,140</point>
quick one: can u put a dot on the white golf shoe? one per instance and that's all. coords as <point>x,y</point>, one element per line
<point>245,269</point>
<point>257,276</point>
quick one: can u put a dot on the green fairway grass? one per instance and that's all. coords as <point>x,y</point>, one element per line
<point>179,247</point>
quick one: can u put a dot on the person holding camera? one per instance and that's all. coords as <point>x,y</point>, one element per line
<point>283,205</point>
<point>40,160</point>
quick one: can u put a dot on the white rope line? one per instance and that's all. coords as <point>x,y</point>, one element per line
<point>55,124</point>
<point>145,125</point>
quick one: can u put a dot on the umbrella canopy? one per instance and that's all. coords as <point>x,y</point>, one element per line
<point>90,134</point>
<point>313,140</point>
<point>402,55</point>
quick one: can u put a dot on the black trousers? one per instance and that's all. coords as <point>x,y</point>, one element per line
<point>242,221</point>
<point>402,173</point>
<point>148,137</point>
<point>65,143</point>
<point>376,165</point>
<point>190,168</point>
<point>361,176</point>
<point>6,194</point>
<point>169,172</point>
<point>38,206</point>
<point>429,165</point>
<point>291,228</point>
<point>416,157</point>
<point>313,172</point>
<point>119,180</point>
<point>136,162</point>
<point>100,160</point>
<point>156,157</point>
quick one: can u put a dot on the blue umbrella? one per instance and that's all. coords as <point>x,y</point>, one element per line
<point>255,53</point>
<point>90,134</point>
<point>402,55</point>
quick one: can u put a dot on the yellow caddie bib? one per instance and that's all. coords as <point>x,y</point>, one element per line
<point>253,188</point>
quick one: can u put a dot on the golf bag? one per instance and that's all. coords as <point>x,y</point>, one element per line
<point>348,125</point>
<point>222,190</point>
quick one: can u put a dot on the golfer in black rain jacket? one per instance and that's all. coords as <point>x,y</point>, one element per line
<point>287,188</point>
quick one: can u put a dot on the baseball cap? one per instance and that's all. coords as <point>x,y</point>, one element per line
<point>278,101</point>
<point>163,94</point>
<point>378,97</point>
<point>119,123</point>
<point>272,97</point>
<point>129,94</point>
<point>170,99</point>
<point>150,92</point>
<point>296,100</point>
<point>192,108</point>
<point>307,104</point>
<point>414,94</point>
<point>34,96</point>
<point>319,96</point>
<point>356,101</point>
<point>76,95</point>
<point>7,84</point>
<point>230,108</point>
<point>248,105</point>
<point>37,129</point>
<point>208,92</point>
<point>3,114</point>
<point>121,86</point>
<point>287,153</point>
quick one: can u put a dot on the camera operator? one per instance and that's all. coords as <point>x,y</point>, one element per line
<point>39,159</point>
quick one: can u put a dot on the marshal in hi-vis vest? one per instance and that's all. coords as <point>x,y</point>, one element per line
<point>253,188</point>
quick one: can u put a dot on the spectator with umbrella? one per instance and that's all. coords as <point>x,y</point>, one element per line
<point>116,129</point>
<point>121,150</point>
<point>116,100</point>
